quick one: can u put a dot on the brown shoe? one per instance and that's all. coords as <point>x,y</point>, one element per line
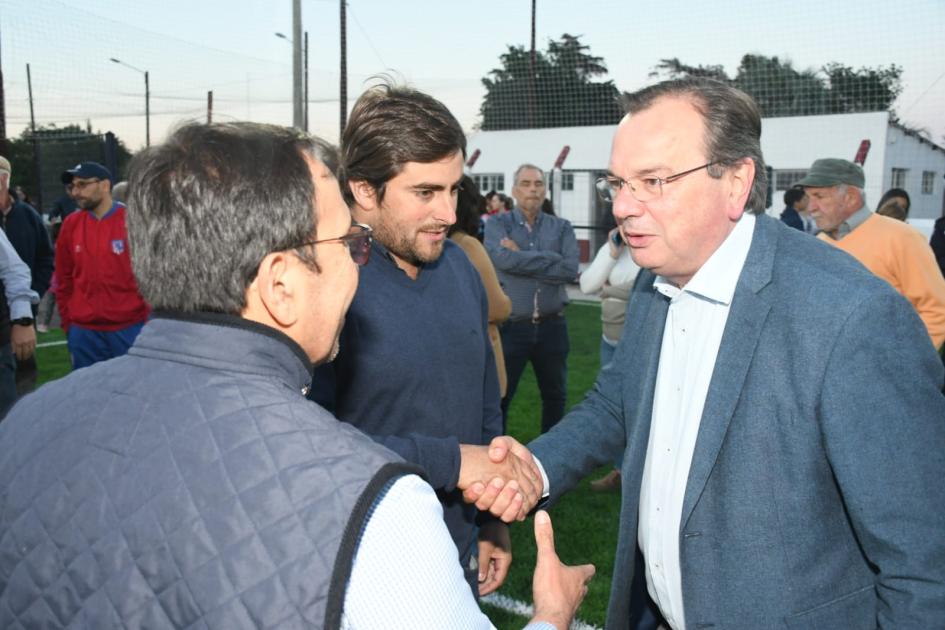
<point>608,483</point>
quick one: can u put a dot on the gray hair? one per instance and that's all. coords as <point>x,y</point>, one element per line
<point>732,124</point>
<point>120,191</point>
<point>210,203</point>
<point>525,167</point>
<point>842,190</point>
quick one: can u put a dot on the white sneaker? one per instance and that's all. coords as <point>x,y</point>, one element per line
<point>42,328</point>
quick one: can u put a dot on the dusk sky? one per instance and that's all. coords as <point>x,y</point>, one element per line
<point>192,46</point>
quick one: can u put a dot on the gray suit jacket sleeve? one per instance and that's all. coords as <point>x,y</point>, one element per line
<point>884,433</point>
<point>609,420</point>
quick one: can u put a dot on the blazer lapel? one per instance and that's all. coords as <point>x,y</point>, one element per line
<point>649,339</point>
<point>745,322</point>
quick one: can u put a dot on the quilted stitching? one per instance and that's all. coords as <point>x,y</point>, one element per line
<point>216,505</point>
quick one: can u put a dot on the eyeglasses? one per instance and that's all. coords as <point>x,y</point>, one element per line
<point>79,184</point>
<point>358,239</point>
<point>643,189</point>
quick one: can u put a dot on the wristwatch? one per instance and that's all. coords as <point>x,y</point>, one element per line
<point>23,321</point>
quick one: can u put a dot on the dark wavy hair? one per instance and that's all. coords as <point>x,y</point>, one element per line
<point>390,126</point>
<point>470,206</point>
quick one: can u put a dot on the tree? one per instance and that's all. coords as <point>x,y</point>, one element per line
<point>675,69</point>
<point>59,148</point>
<point>863,90</point>
<point>567,93</point>
<point>781,90</point>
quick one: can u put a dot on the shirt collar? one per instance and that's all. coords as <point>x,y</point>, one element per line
<point>519,217</point>
<point>717,278</point>
<point>853,221</point>
<point>111,211</point>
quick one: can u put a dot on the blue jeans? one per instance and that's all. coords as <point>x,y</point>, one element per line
<point>91,346</point>
<point>546,345</point>
<point>7,379</point>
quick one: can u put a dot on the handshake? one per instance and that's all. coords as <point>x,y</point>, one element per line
<point>501,478</point>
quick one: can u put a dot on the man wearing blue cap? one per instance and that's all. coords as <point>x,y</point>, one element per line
<point>891,249</point>
<point>99,303</point>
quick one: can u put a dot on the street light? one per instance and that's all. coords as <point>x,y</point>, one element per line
<point>147,99</point>
<point>304,74</point>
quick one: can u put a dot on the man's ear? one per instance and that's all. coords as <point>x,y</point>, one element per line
<point>852,198</point>
<point>273,293</point>
<point>741,176</point>
<point>365,196</point>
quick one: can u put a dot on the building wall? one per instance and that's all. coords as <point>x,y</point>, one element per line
<point>794,142</point>
<point>788,144</point>
<point>915,156</point>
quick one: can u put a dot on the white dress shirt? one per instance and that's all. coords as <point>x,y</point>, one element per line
<point>15,275</point>
<point>406,571</point>
<point>691,338</point>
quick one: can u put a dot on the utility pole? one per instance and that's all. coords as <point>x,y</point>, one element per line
<point>531,75</point>
<point>209,107</point>
<point>147,110</point>
<point>37,159</point>
<point>343,87</point>
<point>305,55</point>
<point>147,98</point>
<point>4,146</point>
<point>297,64</point>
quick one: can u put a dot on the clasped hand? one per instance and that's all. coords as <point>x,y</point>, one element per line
<point>501,478</point>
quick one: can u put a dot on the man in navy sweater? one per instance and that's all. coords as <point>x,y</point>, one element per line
<point>416,369</point>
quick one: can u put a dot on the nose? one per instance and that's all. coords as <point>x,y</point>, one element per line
<point>445,211</point>
<point>626,205</point>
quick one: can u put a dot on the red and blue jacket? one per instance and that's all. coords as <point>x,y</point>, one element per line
<point>95,287</point>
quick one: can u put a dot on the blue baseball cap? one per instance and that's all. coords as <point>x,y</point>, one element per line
<point>86,170</point>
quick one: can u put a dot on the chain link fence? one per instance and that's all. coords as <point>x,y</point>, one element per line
<point>826,77</point>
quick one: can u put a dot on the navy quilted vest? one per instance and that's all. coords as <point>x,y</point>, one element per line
<point>188,484</point>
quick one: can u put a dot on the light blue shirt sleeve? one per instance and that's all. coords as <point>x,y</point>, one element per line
<point>16,281</point>
<point>406,572</point>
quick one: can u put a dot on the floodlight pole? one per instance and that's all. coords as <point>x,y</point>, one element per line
<point>147,98</point>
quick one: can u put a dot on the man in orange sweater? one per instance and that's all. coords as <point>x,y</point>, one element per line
<point>891,249</point>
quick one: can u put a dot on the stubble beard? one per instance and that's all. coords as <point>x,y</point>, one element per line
<point>404,247</point>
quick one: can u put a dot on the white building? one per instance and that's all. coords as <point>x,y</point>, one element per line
<point>896,158</point>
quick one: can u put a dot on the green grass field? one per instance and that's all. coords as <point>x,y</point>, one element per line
<point>53,360</point>
<point>585,522</point>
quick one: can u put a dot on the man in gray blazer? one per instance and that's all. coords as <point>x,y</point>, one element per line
<point>779,408</point>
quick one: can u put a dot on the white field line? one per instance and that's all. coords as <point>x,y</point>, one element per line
<point>49,344</point>
<point>526,610</point>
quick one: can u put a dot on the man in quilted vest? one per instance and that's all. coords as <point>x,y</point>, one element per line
<point>189,483</point>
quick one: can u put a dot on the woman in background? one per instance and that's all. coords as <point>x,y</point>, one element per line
<point>895,204</point>
<point>469,206</point>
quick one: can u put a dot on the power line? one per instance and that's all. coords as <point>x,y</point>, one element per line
<point>363,32</point>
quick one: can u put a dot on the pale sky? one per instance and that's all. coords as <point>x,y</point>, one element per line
<point>442,47</point>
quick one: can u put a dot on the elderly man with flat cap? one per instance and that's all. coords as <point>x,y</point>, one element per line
<point>891,249</point>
